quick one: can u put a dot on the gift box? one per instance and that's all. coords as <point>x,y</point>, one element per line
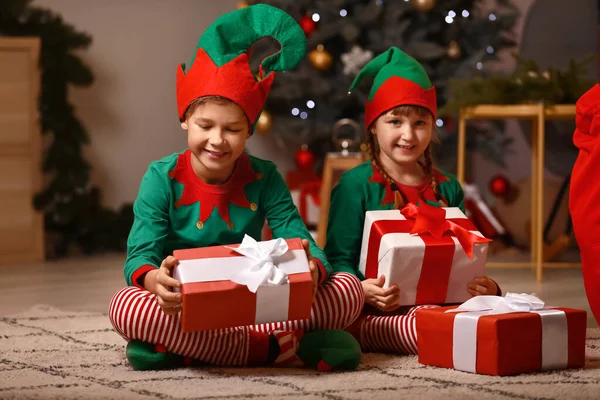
<point>501,339</point>
<point>430,253</point>
<point>307,199</point>
<point>247,284</point>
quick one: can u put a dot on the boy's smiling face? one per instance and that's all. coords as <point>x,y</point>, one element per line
<point>217,134</point>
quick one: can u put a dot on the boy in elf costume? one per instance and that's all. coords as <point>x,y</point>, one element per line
<point>399,118</point>
<point>214,194</point>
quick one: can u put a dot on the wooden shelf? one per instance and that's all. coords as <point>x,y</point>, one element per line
<point>518,111</point>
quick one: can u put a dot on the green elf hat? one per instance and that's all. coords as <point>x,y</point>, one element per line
<point>399,80</point>
<point>220,65</point>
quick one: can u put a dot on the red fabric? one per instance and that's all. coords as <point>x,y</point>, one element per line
<point>412,194</point>
<point>584,197</point>
<point>211,196</point>
<point>138,274</point>
<point>399,91</point>
<point>322,270</point>
<point>507,344</point>
<point>233,81</point>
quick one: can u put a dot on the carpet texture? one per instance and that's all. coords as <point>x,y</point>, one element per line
<point>46,353</point>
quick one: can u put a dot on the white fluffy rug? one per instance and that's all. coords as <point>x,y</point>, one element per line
<point>46,353</point>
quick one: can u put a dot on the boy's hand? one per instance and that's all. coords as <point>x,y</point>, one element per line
<point>483,285</point>
<point>383,299</point>
<point>161,282</point>
<point>314,270</point>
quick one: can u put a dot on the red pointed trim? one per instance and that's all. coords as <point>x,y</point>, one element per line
<point>233,80</point>
<point>210,196</point>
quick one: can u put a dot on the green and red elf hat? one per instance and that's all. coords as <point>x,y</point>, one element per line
<point>399,80</point>
<point>221,66</point>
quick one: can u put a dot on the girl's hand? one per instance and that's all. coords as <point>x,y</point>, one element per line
<point>160,282</point>
<point>383,299</point>
<point>483,285</point>
<point>314,270</point>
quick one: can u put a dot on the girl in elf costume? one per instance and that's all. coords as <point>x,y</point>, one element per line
<point>399,117</point>
<point>214,194</point>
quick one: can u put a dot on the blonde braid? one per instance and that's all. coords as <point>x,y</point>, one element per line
<point>428,169</point>
<point>373,149</point>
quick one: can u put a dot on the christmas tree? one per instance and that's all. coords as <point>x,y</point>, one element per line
<point>74,216</point>
<point>453,38</point>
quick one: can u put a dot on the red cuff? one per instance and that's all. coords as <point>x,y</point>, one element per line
<point>322,270</point>
<point>135,277</point>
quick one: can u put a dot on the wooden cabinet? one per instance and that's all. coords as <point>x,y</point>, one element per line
<point>21,227</point>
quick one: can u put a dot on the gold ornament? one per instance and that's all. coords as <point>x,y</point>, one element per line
<point>320,58</point>
<point>546,75</point>
<point>423,5</point>
<point>263,126</point>
<point>242,4</point>
<point>453,50</point>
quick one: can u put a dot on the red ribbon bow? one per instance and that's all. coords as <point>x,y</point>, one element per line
<point>431,220</point>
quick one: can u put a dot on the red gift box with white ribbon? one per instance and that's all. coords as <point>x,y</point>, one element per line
<point>495,335</point>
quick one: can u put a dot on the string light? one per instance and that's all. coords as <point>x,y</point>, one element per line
<point>439,123</point>
<point>479,65</point>
<point>452,13</point>
<point>492,17</point>
<point>295,111</point>
<point>490,50</point>
<point>465,13</point>
<point>449,19</point>
<point>343,12</point>
<point>316,17</point>
<point>310,104</point>
<point>303,115</point>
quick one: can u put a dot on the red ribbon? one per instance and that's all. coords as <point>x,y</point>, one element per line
<point>312,189</point>
<point>431,225</point>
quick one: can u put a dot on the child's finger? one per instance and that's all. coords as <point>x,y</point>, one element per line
<point>306,246</point>
<point>167,281</point>
<point>391,290</point>
<point>170,262</point>
<point>473,293</point>
<point>167,295</point>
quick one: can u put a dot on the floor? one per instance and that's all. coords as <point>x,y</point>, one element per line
<point>88,283</point>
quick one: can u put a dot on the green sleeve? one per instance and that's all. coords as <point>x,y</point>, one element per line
<point>151,220</point>
<point>459,195</point>
<point>345,227</point>
<point>284,219</point>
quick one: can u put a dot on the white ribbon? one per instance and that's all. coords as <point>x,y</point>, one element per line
<point>263,270</point>
<point>555,349</point>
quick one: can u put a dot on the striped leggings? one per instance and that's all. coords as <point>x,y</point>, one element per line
<point>379,332</point>
<point>135,314</point>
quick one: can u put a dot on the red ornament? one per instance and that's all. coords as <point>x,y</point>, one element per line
<point>307,25</point>
<point>499,186</point>
<point>305,159</point>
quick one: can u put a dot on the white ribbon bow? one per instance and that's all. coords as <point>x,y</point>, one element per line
<point>512,302</point>
<point>262,270</point>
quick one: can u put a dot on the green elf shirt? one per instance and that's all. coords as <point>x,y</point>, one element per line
<point>176,210</point>
<point>363,189</point>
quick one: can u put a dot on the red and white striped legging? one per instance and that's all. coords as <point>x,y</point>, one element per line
<point>379,332</point>
<point>135,314</point>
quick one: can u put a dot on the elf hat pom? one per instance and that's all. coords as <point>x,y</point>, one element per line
<point>399,80</point>
<point>220,66</point>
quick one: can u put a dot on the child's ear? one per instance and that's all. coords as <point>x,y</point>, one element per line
<point>184,125</point>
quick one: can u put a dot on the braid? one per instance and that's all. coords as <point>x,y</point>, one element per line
<point>374,153</point>
<point>428,169</point>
